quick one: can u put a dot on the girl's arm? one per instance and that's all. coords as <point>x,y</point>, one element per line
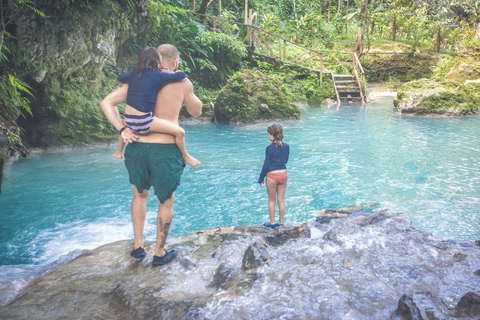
<point>288,151</point>
<point>266,164</point>
<point>167,77</point>
<point>124,77</point>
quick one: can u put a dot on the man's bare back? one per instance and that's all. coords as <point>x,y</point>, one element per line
<point>169,102</point>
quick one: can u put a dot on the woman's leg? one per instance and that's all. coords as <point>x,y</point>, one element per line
<point>121,145</point>
<point>164,126</point>
<point>281,201</point>
<point>272,192</point>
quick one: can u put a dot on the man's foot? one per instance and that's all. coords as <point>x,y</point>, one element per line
<point>138,253</point>
<point>166,258</point>
<point>191,161</point>
<point>118,155</point>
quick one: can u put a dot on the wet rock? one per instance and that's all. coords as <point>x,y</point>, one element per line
<point>356,267</point>
<point>283,234</point>
<point>325,215</point>
<point>477,272</point>
<point>469,305</point>
<point>418,306</point>
<point>255,256</point>
<point>224,276</point>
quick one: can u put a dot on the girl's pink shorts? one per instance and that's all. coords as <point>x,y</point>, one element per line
<point>278,177</point>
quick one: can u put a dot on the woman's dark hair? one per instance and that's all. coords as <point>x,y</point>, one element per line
<point>276,131</point>
<point>148,58</point>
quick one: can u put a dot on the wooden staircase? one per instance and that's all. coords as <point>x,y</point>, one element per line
<point>347,89</point>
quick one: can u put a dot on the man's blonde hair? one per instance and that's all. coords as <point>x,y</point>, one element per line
<point>168,51</point>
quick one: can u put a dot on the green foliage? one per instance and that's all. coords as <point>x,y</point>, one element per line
<point>13,100</point>
<point>220,57</point>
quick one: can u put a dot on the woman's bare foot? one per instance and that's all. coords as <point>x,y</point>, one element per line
<point>191,161</point>
<point>118,155</point>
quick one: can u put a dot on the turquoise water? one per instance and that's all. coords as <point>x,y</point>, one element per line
<point>55,202</point>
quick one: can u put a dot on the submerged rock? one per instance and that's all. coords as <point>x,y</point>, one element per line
<point>427,97</point>
<point>357,266</point>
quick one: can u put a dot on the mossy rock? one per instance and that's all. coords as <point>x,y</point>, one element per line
<point>427,97</point>
<point>251,95</point>
<point>400,67</point>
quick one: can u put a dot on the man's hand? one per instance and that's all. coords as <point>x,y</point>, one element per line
<point>129,136</point>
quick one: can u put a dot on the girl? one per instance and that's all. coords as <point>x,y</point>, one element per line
<point>144,82</point>
<point>274,168</point>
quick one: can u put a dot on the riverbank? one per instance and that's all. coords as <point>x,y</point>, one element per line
<point>359,266</point>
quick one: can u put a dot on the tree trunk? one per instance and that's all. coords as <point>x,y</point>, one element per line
<point>394,27</point>
<point>339,7</point>
<point>2,25</point>
<point>373,26</point>
<point>439,38</point>
<point>328,18</point>
<point>362,22</point>
<point>203,7</point>
<point>359,43</point>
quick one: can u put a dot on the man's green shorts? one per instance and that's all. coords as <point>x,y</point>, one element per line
<point>154,164</point>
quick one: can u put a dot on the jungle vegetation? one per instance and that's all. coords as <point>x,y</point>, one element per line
<point>450,28</point>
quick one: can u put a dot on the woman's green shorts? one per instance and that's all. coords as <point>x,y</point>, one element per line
<point>154,164</point>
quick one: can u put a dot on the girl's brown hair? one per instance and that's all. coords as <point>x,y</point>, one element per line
<point>148,58</point>
<point>276,131</point>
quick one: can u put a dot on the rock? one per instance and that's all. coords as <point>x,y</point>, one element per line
<point>356,267</point>
<point>282,235</point>
<point>251,95</point>
<point>325,215</point>
<point>255,256</point>
<point>223,276</point>
<point>469,305</point>
<point>427,97</point>
<point>418,308</point>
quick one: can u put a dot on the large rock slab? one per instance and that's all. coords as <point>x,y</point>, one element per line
<point>357,266</point>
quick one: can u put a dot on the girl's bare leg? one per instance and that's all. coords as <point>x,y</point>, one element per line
<point>121,145</point>
<point>164,126</point>
<point>281,201</point>
<point>271,191</point>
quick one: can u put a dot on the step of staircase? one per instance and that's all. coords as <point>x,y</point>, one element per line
<point>347,88</point>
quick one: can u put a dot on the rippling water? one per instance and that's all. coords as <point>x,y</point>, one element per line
<point>53,203</point>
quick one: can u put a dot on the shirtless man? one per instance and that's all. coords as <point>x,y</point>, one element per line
<point>153,159</point>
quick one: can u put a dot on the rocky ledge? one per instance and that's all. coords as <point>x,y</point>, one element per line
<point>428,97</point>
<point>341,266</point>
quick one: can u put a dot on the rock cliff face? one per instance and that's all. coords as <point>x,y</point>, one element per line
<point>68,58</point>
<point>358,266</point>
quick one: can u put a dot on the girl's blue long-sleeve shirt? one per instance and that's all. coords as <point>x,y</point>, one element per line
<point>276,158</point>
<point>142,92</point>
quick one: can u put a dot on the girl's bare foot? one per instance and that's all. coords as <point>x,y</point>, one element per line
<point>118,155</point>
<point>191,161</point>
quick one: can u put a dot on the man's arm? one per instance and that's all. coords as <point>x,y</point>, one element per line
<point>192,103</point>
<point>110,110</point>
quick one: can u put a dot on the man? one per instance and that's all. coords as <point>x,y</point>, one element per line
<point>153,158</point>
